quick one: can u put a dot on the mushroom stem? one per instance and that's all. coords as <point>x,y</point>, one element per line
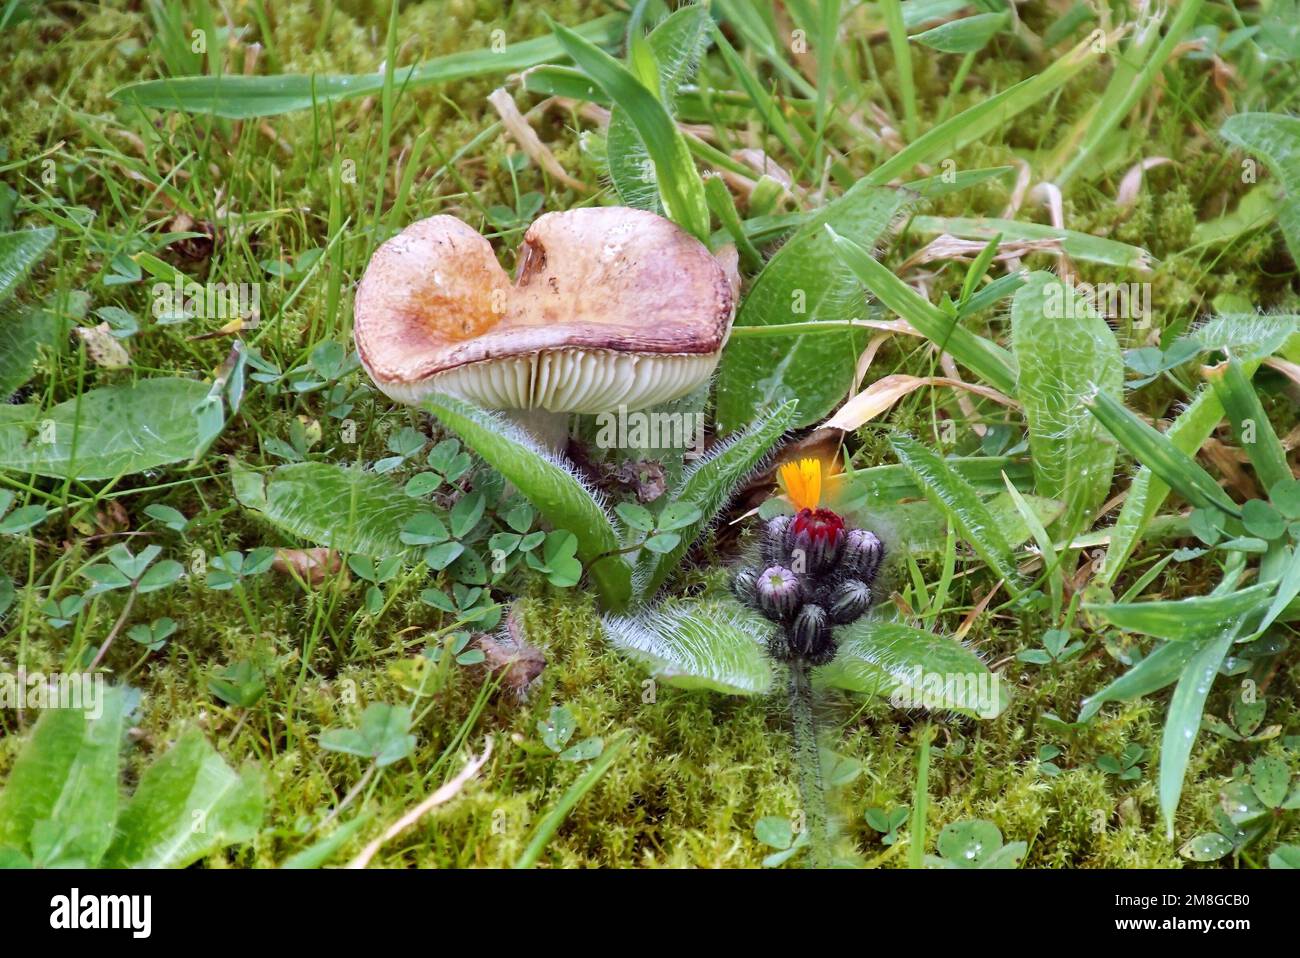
<point>550,429</point>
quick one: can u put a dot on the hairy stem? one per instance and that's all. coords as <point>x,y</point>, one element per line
<point>808,759</point>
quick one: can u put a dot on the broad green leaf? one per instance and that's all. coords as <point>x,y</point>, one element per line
<point>697,644</point>
<point>709,483</point>
<point>23,331</point>
<point>189,803</point>
<point>1065,352</point>
<point>61,792</point>
<point>549,484</point>
<point>914,668</point>
<point>242,97</point>
<point>1184,719</point>
<point>19,252</point>
<point>1209,847</point>
<point>1276,139</point>
<point>949,492</point>
<point>332,505</point>
<point>680,186</point>
<point>804,282</point>
<point>1185,619</point>
<point>1285,856</point>
<point>107,432</point>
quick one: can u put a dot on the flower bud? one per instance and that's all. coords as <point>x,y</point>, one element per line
<point>779,593</point>
<point>810,635</point>
<point>815,540</point>
<point>744,585</point>
<point>849,600</point>
<point>862,554</point>
<point>773,548</point>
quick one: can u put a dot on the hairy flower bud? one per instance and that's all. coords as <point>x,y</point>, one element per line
<point>810,635</point>
<point>815,539</point>
<point>862,554</point>
<point>779,593</point>
<point>773,549</point>
<point>744,585</point>
<point>849,600</point>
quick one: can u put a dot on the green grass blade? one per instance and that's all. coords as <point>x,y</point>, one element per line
<point>978,121</point>
<point>1184,719</point>
<point>1134,73</point>
<point>991,362</point>
<point>1249,422</point>
<point>1154,449</point>
<point>893,11</point>
<point>1181,620</point>
<point>1162,667</point>
<point>245,97</point>
<point>680,187</point>
<point>554,818</point>
<point>1083,247</point>
<point>549,484</point>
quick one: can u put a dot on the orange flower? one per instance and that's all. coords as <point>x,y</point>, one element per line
<point>803,482</point>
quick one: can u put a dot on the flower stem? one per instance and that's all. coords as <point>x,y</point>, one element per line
<point>808,759</point>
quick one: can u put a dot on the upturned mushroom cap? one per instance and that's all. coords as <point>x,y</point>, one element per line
<point>611,306</point>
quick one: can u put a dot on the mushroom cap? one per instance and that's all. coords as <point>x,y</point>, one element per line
<point>611,307</point>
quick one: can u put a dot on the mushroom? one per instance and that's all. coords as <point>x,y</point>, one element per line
<point>611,307</point>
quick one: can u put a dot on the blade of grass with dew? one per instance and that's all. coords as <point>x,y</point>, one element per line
<point>804,281</point>
<point>680,187</point>
<point>554,818</point>
<point>1180,620</point>
<point>949,492</point>
<point>1080,246</point>
<point>549,485</point>
<point>245,97</point>
<point>1183,721</point>
<point>1065,351</point>
<point>1154,449</point>
<point>991,362</point>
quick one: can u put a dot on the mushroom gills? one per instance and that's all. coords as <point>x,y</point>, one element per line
<point>574,380</point>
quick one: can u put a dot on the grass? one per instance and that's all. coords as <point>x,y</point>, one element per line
<point>311,193</point>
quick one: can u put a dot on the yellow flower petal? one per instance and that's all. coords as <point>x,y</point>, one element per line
<point>803,482</point>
